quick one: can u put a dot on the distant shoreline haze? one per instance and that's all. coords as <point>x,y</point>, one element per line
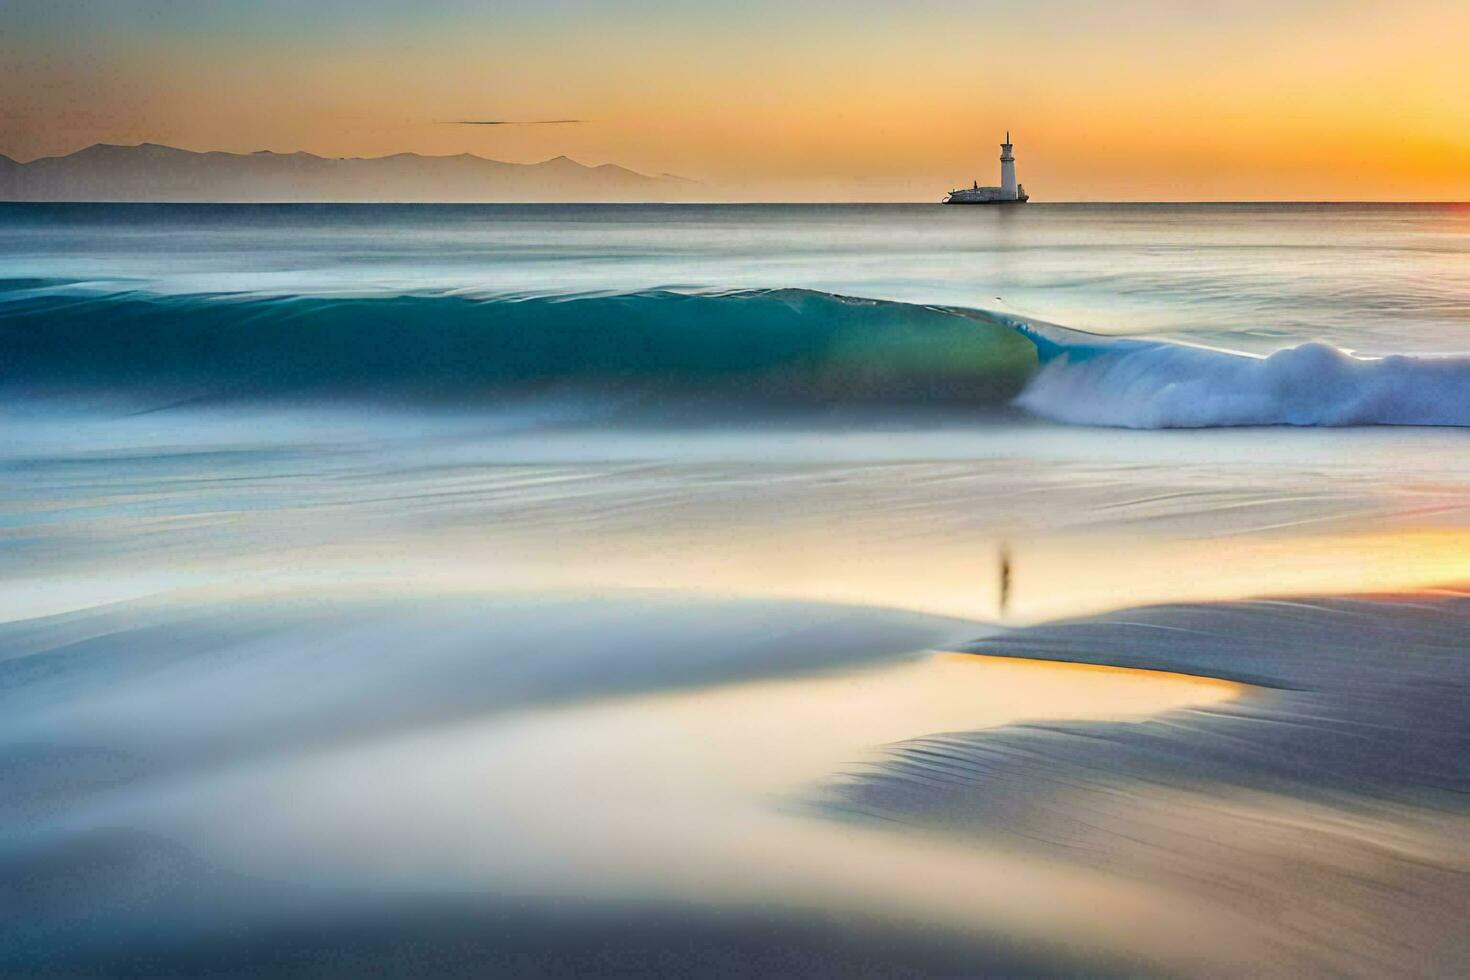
<point>150,173</point>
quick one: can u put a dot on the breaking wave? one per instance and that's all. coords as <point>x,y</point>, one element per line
<point>1143,384</point>
<point>659,349</point>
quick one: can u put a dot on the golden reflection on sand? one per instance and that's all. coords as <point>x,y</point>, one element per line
<point>1060,579</point>
<point>663,785</point>
<point>774,736</point>
<point>691,796</point>
<point>1053,577</point>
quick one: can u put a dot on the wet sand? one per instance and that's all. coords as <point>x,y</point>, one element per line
<point>184,759</point>
<point>1321,813</point>
<point>484,705</point>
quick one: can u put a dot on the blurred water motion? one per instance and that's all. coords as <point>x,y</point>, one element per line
<point>388,662</point>
<point>447,724</point>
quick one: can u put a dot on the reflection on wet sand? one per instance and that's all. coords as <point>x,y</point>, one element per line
<point>697,796</point>
<point>701,794</point>
<point>436,673</point>
<point>1324,806</point>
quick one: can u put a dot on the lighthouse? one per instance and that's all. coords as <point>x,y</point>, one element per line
<point>1009,189</point>
<point>1009,192</point>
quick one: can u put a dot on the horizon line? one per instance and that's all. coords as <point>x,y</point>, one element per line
<point>645,174</point>
<point>737,204</point>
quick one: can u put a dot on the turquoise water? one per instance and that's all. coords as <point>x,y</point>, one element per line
<point>164,304</point>
<point>1377,278</point>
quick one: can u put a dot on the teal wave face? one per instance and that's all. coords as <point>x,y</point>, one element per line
<point>765,344</point>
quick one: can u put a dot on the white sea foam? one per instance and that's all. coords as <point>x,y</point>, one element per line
<point>1153,385</point>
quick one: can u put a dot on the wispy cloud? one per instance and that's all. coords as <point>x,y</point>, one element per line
<point>510,122</point>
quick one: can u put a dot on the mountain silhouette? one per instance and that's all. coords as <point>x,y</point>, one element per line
<point>151,172</point>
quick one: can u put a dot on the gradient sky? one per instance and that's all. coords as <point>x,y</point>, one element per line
<point>806,99</point>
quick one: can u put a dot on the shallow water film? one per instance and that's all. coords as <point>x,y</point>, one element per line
<point>440,591</point>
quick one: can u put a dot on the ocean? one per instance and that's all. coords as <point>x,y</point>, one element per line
<point>542,589</point>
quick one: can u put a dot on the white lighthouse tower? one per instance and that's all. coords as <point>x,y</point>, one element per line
<point>1009,189</point>
<point>1009,192</point>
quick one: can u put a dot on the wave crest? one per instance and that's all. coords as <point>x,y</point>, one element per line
<point>1143,384</point>
<point>658,349</point>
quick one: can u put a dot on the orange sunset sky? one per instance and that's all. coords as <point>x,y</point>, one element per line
<point>858,100</point>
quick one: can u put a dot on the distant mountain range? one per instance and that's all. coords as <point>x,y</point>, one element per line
<point>150,172</point>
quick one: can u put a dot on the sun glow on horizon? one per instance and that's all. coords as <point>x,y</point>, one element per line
<point>1140,100</point>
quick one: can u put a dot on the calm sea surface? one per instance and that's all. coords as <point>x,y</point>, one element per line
<point>1377,278</point>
